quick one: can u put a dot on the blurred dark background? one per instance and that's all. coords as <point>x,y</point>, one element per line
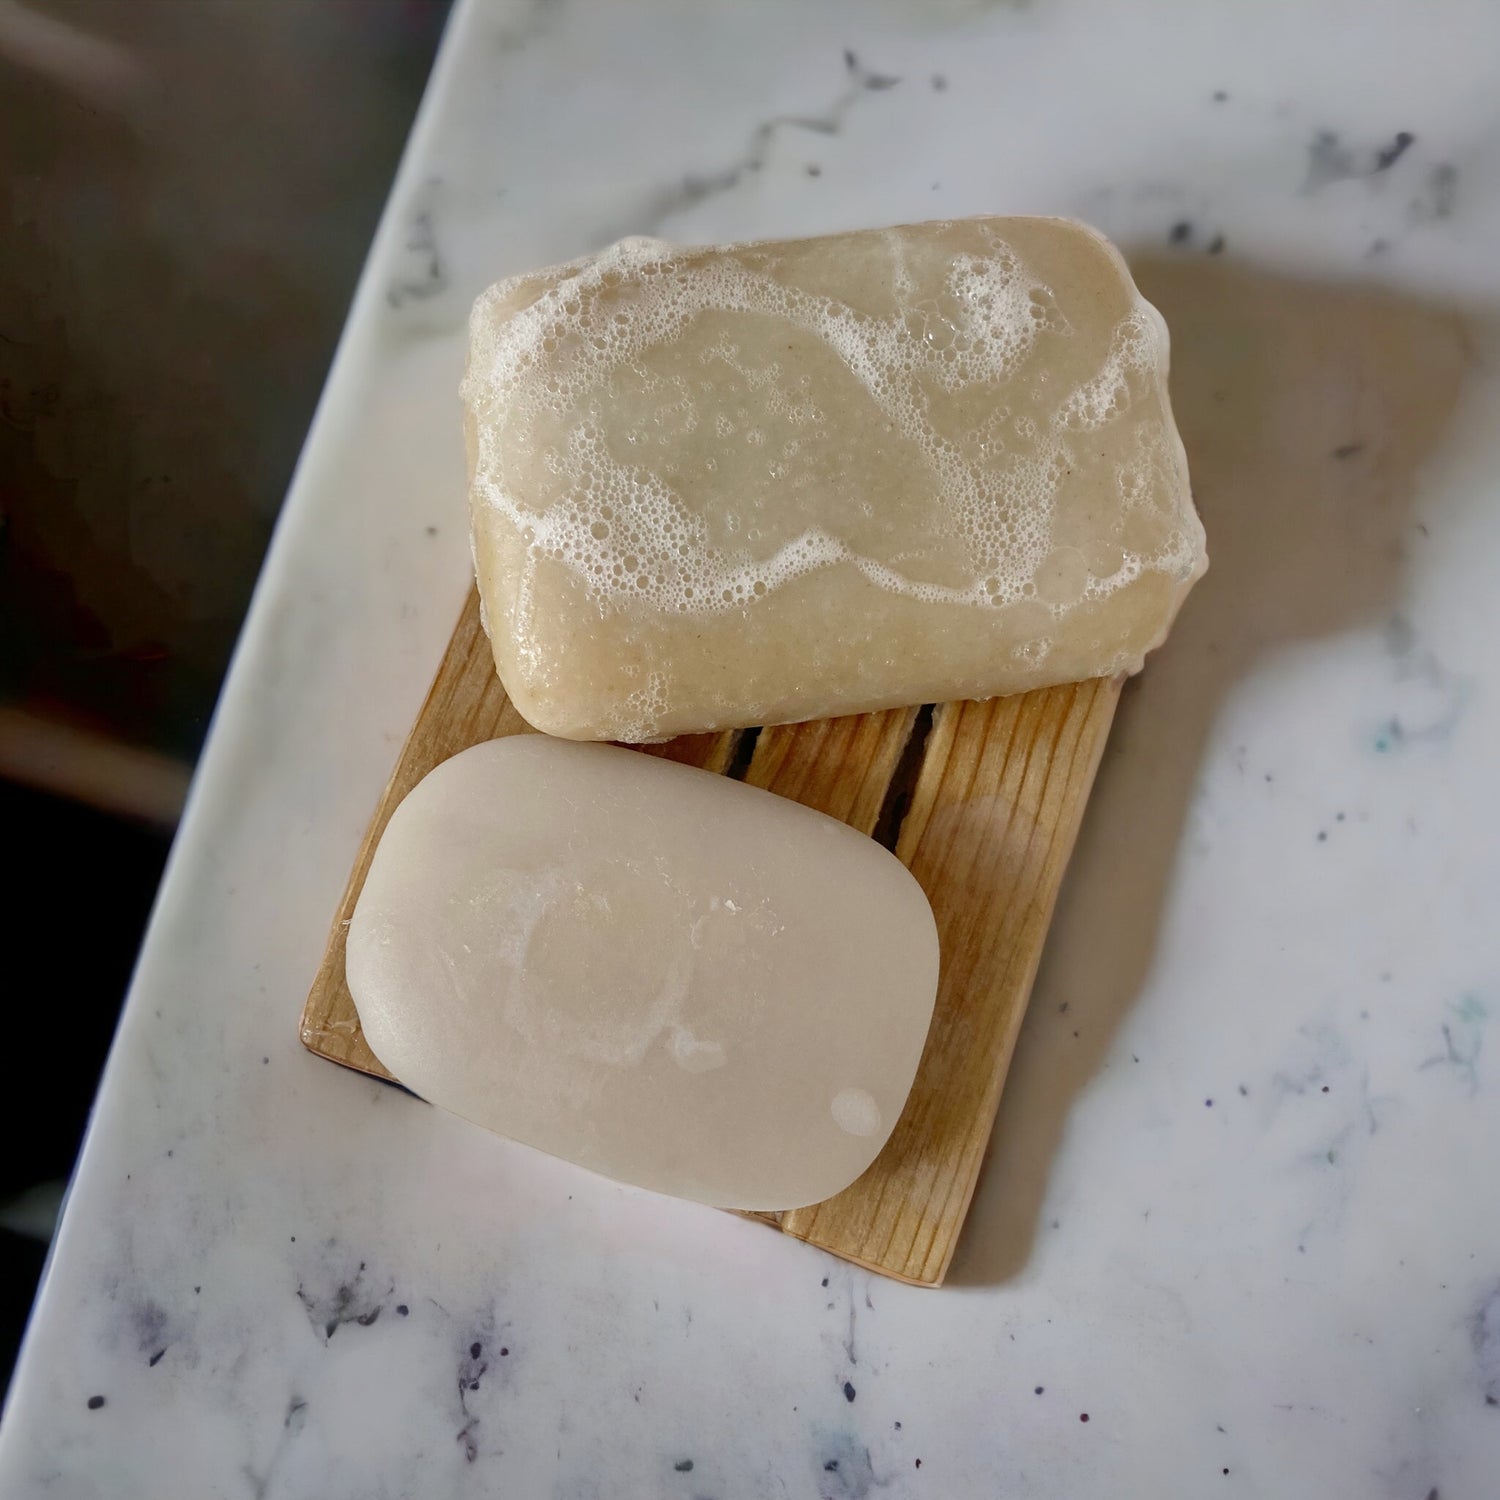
<point>187,192</point>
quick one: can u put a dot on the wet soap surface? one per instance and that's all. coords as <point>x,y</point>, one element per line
<point>661,974</point>
<point>759,483</point>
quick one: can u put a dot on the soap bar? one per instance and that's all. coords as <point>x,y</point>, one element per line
<point>758,483</point>
<point>664,975</point>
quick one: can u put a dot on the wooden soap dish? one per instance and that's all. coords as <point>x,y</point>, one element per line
<point>981,801</point>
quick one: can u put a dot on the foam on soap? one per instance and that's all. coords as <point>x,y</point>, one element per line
<point>964,416</point>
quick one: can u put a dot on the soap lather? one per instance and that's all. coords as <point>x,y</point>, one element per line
<point>750,484</point>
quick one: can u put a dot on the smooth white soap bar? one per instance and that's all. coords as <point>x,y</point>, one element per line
<point>661,974</point>
<point>747,484</point>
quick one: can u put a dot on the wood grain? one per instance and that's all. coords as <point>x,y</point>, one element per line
<point>996,794</point>
<point>842,767</point>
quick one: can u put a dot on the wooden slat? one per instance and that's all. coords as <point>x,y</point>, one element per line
<point>993,818</point>
<point>709,752</point>
<point>995,805</point>
<point>842,767</point>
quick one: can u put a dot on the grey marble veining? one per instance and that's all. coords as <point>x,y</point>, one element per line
<point>1240,1211</point>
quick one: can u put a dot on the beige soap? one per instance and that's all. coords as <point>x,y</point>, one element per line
<point>757,483</point>
<point>661,974</point>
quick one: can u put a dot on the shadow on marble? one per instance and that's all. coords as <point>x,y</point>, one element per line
<point>1308,410</point>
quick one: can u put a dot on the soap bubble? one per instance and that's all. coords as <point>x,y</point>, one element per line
<point>624,531</point>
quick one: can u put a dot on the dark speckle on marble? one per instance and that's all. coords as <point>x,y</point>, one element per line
<point>864,76</point>
<point>1332,159</point>
<point>1387,156</point>
<point>349,1299</point>
<point>148,1322</point>
<point>402,1309</point>
<point>684,1466</point>
<point>843,1468</point>
<point>1180,233</point>
<point>813,169</point>
<point>423,274</point>
<point>859,81</point>
<point>95,1402</point>
<point>471,1372</point>
<point>849,1391</point>
<point>1463,1040</point>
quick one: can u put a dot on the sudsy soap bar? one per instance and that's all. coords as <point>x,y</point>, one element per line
<point>750,484</point>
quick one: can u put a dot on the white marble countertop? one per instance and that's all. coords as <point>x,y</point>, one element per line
<point>1243,1205</point>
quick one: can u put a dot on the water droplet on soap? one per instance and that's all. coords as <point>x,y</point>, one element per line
<point>855,1111</point>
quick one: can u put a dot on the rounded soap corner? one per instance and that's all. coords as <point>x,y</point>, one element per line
<point>921,901</point>
<point>536,715</point>
<point>544,719</point>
